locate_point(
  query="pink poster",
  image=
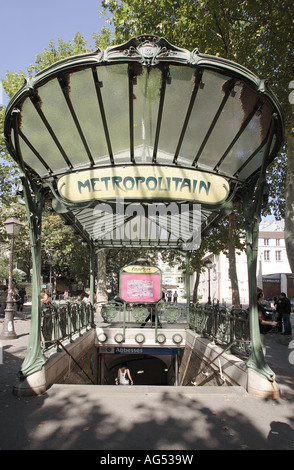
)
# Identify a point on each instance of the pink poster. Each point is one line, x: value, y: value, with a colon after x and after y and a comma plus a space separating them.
x: 140, y: 287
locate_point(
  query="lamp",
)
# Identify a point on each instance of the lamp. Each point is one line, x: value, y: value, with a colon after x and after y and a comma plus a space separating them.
x: 209, y: 265
x: 50, y: 262
x: 161, y: 338
x: 102, y: 337
x: 13, y: 227
x: 140, y: 338
x: 119, y: 338
x: 177, y: 338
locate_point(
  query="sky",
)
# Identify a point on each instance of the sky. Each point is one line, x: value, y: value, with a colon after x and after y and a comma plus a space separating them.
x: 27, y: 27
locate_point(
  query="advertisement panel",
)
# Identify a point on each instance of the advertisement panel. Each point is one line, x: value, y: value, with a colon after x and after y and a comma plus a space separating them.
x: 140, y: 284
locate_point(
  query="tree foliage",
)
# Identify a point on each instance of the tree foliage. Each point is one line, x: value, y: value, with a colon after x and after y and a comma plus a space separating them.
x: 255, y: 33
x: 62, y: 249
x: 15, y: 80
x: 68, y: 256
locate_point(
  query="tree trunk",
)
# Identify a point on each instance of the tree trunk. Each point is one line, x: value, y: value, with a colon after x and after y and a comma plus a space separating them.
x: 232, y: 261
x: 289, y: 201
x: 102, y: 294
x: 54, y: 288
x: 196, y: 285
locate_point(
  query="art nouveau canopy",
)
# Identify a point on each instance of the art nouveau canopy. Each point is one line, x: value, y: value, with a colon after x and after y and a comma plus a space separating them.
x: 144, y: 144
x: 139, y: 123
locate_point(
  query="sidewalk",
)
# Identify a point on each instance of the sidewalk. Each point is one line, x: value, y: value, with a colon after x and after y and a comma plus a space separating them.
x: 110, y: 418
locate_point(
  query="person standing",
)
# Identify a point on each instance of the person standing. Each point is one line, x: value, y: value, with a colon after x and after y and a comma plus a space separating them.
x: 22, y: 293
x: 175, y: 297
x: 263, y: 322
x: 17, y: 299
x: 278, y: 316
x: 124, y: 376
x: 46, y: 299
x: 3, y: 298
x: 284, y: 309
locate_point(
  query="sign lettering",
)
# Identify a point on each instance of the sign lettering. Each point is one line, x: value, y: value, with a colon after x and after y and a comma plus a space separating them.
x: 143, y: 182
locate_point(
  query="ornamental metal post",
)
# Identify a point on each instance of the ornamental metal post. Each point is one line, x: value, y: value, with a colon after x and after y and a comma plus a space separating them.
x: 91, y: 274
x: 253, y: 202
x: 256, y: 359
x: 209, y: 265
x: 92, y: 283
x: 34, y: 202
x: 188, y: 288
x: 34, y: 359
x: 13, y: 227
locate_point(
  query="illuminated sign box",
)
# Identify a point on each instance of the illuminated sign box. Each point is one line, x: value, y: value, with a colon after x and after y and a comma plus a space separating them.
x: 140, y: 284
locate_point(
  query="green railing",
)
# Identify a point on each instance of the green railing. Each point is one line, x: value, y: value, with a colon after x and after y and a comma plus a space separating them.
x: 223, y: 325
x: 163, y: 313
x: 63, y: 321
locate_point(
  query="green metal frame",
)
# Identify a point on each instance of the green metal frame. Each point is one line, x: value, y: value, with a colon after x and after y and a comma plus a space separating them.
x: 34, y: 199
x: 254, y: 200
x: 150, y: 52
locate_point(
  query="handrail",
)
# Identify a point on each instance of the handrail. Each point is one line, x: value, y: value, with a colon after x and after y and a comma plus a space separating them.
x: 211, y: 361
x: 76, y: 362
x: 214, y: 359
x: 64, y: 320
x: 223, y: 325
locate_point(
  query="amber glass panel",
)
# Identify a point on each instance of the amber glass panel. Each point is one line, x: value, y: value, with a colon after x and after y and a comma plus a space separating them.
x: 29, y: 157
x: 225, y: 129
x: 207, y: 102
x: 36, y: 132
x: 177, y: 98
x: 146, y: 99
x: 57, y: 112
x: 114, y: 92
x: 249, y: 141
x: 85, y: 102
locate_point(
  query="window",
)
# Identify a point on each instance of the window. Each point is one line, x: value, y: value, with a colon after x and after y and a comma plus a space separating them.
x: 266, y: 255
x: 266, y: 242
x: 278, y: 256
x: 278, y: 242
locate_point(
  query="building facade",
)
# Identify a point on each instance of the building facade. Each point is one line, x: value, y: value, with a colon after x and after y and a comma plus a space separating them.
x: 273, y: 270
x: 173, y: 280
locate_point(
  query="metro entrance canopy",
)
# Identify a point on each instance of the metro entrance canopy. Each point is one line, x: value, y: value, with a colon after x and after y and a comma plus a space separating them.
x: 141, y: 123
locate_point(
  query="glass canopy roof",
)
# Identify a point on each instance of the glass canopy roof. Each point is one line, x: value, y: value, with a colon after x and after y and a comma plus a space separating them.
x: 137, y: 119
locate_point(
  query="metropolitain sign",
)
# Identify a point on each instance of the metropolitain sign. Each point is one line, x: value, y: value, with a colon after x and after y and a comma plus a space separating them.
x: 139, y: 182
